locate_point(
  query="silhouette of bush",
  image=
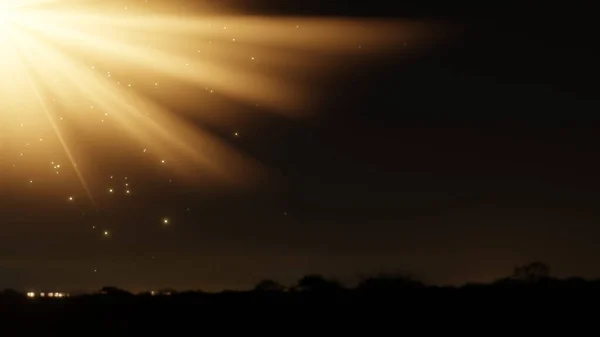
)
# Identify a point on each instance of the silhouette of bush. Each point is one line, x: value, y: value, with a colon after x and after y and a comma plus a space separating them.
x: 383, y: 283
x: 269, y: 286
x: 318, y: 283
x: 531, y: 273
x: 114, y: 291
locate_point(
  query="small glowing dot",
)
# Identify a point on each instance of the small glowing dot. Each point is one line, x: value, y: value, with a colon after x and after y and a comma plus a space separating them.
x: 70, y: 198
x: 162, y: 161
x: 105, y: 233
x: 111, y: 190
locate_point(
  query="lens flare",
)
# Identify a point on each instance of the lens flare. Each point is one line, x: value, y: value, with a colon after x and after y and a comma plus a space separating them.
x: 137, y: 84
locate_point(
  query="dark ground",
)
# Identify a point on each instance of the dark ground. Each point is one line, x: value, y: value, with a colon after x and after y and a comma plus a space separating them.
x: 321, y: 306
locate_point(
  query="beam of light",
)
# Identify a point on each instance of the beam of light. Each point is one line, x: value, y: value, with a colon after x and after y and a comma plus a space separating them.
x: 74, y: 76
x: 54, y: 126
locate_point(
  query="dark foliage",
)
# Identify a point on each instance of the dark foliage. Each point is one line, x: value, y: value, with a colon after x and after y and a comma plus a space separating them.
x: 313, y: 300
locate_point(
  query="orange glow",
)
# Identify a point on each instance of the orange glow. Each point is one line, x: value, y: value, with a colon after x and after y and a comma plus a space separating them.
x: 99, y: 73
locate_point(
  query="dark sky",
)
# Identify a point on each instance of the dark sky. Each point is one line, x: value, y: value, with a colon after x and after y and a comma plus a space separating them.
x: 455, y: 164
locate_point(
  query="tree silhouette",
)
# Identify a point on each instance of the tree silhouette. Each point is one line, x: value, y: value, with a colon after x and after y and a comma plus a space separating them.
x: 114, y: 291
x: 318, y: 283
x: 269, y: 286
x: 388, y: 283
x: 532, y: 272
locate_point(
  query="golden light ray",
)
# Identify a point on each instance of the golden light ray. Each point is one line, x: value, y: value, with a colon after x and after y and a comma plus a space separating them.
x: 155, y: 133
x: 54, y: 126
x: 99, y: 73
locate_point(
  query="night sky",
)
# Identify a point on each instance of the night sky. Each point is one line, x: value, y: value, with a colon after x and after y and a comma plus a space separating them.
x: 454, y: 160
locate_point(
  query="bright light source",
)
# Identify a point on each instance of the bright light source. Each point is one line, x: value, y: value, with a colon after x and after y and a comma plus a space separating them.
x: 31, y: 295
x: 8, y: 13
